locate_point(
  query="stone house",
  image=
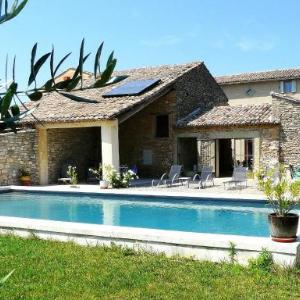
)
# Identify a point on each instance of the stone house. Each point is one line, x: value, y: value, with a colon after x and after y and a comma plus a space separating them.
x: 183, y: 117
x: 279, y: 88
x: 256, y: 87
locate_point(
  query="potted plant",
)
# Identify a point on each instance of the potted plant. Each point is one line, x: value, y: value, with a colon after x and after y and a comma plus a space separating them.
x: 283, y: 195
x: 98, y: 174
x: 72, y: 173
x: 25, y: 177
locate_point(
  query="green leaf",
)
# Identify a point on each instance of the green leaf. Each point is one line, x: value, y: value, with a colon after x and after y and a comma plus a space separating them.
x: 110, y: 59
x: 78, y: 68
x: 7, y: 98
x: 14, y: 69
x: 106, y: 74
x: 32, y: 59
x: 37, y: 67
x: 16, y: 9
x: 35, y: 96
x: 22, y: 115
x: 52, y: 64
x: 15, y: 110
x: 48, y: 85
x: 116, y: 79
x: 62, y: 84
x: 4, y: 279
x: 80, y: 62
x: 61, y: 62
x: 97, y: 60
x: 72, y: 85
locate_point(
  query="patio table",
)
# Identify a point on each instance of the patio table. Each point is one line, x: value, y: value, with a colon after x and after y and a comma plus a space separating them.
x: 231, y: 183
x: 185, y: 180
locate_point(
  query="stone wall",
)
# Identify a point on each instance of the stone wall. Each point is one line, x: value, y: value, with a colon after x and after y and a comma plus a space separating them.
x: 137, y: 135
x: 269, y: 147
x: 289, y: 114
x: 198, y: 89
x: 194, y: 89
x: 81, y: 145
x: 18, y: 151
x: 266, y: 149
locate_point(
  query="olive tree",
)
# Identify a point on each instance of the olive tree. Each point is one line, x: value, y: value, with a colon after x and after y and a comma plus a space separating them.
x: 10, y: 101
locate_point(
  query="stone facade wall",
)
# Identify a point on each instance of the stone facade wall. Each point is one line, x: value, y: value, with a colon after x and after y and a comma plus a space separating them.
x: 268, y: 137
x: 18, y: 151
x: 81, y: 145
x: 269, y: 147
x: 194, y: 89
x: 137, y: 134
x: 198, y: 89
x: 289, y: 114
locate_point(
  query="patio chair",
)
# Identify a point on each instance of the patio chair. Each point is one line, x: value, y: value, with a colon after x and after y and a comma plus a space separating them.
x: 239, y: 178
x: 65, y: 179
x: 169, y: 179
x: 205, y: 177
x: 91, y: 177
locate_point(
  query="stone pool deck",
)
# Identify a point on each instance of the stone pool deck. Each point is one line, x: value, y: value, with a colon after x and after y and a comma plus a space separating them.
x: 213, y: 247
x: 143, y: 187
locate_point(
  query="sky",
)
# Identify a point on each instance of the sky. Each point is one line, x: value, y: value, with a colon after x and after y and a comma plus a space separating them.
x: 229, y: 36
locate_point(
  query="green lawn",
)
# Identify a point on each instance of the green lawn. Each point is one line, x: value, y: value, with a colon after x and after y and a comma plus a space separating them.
x: 53, y: 270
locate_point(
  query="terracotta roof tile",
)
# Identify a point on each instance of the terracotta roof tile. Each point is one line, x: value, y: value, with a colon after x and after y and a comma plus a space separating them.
x: 285, y: 74
x: 230, y: 116
x: 93, y: 106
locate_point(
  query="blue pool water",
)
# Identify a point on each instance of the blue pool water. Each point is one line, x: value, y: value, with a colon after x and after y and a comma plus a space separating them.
x: 207, y: 216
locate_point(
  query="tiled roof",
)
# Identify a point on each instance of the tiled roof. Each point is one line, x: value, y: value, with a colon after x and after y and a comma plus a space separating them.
x: 241, y: 115
x: 285, y: 97
x: 91, y: 104
x: 259, y: 76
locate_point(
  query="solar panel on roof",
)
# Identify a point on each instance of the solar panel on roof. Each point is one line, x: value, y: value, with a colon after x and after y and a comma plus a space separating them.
x: 132, y: 88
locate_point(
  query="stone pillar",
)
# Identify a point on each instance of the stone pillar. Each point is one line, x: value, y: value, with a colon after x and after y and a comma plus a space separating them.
x: 43, y: 156
x: 256, y: 153
x: 206, y: 153
x: 110, y: 145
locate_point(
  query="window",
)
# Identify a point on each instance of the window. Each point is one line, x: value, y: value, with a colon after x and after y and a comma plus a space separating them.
x: 288, y: 86
x: 147, y: 157
x: 162, y: 126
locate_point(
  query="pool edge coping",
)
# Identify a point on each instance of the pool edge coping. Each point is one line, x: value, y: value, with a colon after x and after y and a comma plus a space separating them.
x: 181, y: 238
x: 124, y: 192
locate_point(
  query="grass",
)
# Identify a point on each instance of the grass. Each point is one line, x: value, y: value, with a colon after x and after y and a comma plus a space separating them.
x: 54, y: 270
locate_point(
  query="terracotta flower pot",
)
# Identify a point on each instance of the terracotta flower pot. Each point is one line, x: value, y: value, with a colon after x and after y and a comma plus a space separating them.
x: 283, y: 228
x: 25, y: 180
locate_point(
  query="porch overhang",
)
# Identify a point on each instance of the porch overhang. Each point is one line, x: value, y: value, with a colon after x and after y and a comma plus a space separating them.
x: 109, y: 143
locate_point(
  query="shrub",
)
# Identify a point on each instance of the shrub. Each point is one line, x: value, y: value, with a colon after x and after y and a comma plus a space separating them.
x: 264, y: 262
x: 232, y: 252
x: 97, y: 172
x: 72, y: 173
x: 119, y: 180
x: 282, y: 194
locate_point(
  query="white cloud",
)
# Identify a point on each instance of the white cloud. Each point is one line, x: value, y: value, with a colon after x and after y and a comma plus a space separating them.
x: 246, y: 44
x: 167, y: 40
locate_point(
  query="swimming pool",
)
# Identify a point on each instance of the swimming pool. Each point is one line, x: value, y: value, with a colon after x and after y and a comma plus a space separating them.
x: 247, y: 218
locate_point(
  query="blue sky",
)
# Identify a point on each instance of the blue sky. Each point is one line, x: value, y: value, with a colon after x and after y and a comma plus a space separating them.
x: 229, y: 36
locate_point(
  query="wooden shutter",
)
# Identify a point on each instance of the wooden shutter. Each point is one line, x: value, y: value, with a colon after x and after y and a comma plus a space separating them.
x: 294, y: 86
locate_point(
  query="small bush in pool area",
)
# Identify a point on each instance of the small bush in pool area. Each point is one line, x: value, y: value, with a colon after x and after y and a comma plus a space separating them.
x: 117, y: 179
x: 264, y: 261
x: 232, y: 252
x: 72, y: 173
